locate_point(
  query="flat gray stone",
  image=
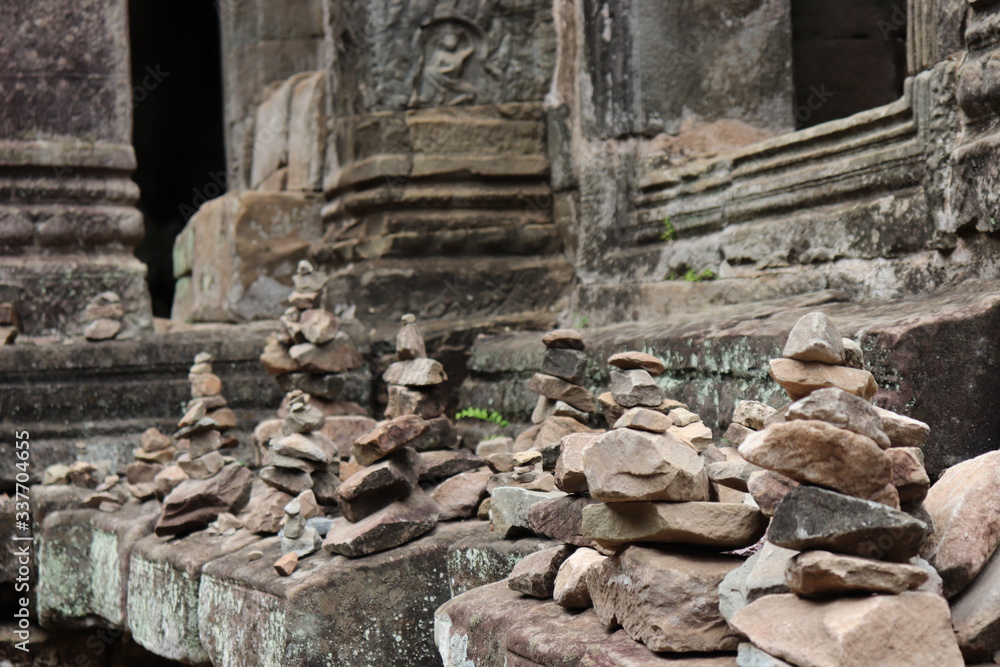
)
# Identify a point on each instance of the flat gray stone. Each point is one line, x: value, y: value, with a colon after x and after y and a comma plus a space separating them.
x: 565, y: 364
x: 815, y: 338
x: 761, y: 574
x: 814, y: 518
x: 635, y: 387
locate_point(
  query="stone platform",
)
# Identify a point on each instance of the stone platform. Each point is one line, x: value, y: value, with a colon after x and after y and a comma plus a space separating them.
x: 90, y: 401
x: 493, y: 626
x: 935, y: 359
x: 202, y: 600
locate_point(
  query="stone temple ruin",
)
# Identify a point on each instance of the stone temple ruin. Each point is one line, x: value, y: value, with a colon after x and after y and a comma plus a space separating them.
x: 563, y: 333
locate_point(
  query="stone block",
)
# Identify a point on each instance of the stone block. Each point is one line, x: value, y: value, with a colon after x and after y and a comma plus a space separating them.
x: 246, y: 248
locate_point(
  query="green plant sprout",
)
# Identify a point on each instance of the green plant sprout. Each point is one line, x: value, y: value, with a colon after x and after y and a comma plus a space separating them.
x: 692, y: 276
x: 491, y: 416
x: 669, y: 233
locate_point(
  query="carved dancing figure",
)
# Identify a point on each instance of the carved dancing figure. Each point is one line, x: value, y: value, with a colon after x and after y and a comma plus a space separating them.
x: 441, y: 82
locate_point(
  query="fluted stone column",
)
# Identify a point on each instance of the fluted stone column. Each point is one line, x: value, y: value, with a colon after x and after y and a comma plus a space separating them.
x: 68, y: 216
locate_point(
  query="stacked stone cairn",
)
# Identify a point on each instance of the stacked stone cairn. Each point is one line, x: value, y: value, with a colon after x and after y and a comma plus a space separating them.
x: 839, y: 580
x: 300, y: 457
x: 104, y: 314
x: 564, y: 407
x: 381, y: 498
x: 298, y: 479
x: 301, y: 533
x: 645, y: 530
x: 633, y: 385
x: 524, y: 469
x: 212, y: 484
x: 311, y: 351
x: 413, y: 381
x: 154, y: 473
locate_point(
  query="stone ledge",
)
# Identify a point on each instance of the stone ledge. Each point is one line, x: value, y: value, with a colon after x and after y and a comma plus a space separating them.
x: 934, y: 358
x: 104, y: 395
x: 493, y: 626
x: 201, y: 600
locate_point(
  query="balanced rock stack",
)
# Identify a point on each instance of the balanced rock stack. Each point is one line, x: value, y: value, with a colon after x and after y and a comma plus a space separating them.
x: 413, y: 380
x: 154, y: 473
x: 654, y: 489
x: 103, y: 315
x: 300, y: 457
x: 564, y: 404
x: 816, y: 357
x: 839, y: 531
x: 381, y: 497
x: 635, y: 484
x: 311, y: 351
x: 633, y: 385
x: 214, y: 483
x: 382, y: 504
x: 299, y: 536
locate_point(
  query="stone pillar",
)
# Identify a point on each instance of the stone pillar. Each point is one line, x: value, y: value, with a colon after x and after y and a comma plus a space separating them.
x: 68, y: 220
x: 438, y: 200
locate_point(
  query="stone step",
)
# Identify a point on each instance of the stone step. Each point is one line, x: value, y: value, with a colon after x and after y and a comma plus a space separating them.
x: 933, y: 358
x: 493, y: 626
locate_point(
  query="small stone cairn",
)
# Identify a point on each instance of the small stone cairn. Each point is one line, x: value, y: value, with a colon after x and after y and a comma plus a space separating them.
x: 413, y: 381
x: 381, y: 498
x: 300, y: 457
x: 837, y: 531
x: 207, y: 483
x: 564, y: 407
x: 310, y: 351
x: 161, y: 464
x: 104, y: 314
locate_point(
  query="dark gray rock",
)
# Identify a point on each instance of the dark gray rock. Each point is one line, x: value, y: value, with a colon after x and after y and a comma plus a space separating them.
x: 569, y: 365
x: 635, y: 387
x: 814, y: 518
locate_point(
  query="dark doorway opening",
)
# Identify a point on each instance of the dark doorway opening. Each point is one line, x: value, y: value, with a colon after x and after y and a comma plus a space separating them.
x: 178, y: 132
x: 847, y: 56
